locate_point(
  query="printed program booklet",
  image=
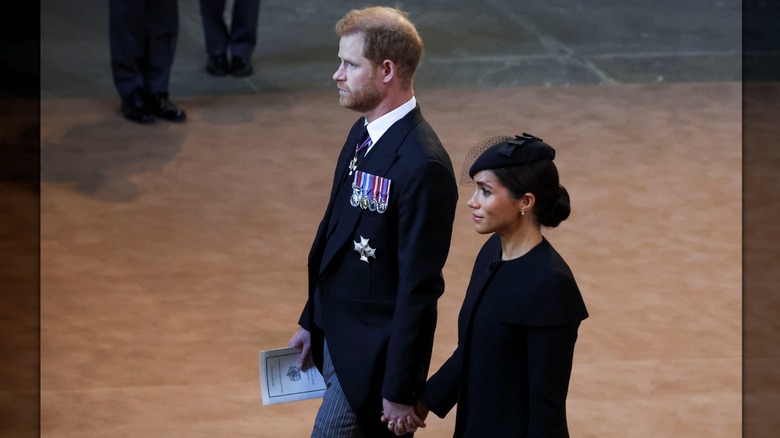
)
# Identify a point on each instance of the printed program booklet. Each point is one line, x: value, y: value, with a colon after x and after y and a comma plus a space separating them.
x: 281, y: 381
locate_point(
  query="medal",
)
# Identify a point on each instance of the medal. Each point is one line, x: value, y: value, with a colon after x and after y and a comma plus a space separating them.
x: 383, y: 195
x: 370, y: 192
x: 360, y: 190
x: 364, y: 249
x: 354, y: 200
x: 374, y: 190
x: 353, y: 164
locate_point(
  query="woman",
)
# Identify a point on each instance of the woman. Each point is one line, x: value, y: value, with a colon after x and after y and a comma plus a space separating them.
x: 516, y: 331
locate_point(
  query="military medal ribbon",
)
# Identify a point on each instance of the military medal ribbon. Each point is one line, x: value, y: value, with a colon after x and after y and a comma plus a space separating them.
x: 370, y: 192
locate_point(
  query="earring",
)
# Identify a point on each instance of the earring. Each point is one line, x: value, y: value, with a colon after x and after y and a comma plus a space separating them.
x: 522, y: 212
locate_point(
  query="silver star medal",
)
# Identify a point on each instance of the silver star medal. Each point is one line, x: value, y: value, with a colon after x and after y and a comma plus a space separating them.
x: 364, y: 249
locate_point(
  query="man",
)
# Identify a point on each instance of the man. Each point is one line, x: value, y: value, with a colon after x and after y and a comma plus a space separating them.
x: 143, y: 36
x: 238, y: 38
x: 375, y: 264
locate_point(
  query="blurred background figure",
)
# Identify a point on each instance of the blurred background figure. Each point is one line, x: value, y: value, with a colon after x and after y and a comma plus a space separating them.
x: 143, y: 35
x: 235, y: 36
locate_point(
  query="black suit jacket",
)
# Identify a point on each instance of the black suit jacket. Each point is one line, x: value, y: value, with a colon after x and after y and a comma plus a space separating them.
x: 379, y: 317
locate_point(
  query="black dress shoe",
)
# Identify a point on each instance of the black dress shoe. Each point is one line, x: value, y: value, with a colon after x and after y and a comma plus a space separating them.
x: 240, y: 66
x: 134, y: 108
x: 164, y: 108
x: 217, y: 65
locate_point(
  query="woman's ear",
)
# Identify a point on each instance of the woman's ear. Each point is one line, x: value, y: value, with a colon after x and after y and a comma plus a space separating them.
x: 526, y: 202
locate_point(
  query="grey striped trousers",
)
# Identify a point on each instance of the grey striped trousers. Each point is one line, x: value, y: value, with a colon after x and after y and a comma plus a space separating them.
x: 335, y: 418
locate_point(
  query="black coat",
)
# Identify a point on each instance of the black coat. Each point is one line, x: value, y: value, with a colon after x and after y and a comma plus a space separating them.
x: 516, y: 332
x: 379, y: 317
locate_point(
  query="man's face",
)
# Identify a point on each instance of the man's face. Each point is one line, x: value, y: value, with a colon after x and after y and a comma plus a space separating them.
x: 359, y: 82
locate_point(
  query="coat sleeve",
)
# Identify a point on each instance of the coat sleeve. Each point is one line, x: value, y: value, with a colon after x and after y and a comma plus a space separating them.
x: 550, y: 355
x: 426, y: 210
x: 441, y: 392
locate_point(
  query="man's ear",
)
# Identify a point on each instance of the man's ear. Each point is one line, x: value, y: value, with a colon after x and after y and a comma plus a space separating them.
x: 388, y: 70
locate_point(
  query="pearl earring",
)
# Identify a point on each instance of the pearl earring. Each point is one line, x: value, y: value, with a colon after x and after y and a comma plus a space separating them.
x: 522, y: 212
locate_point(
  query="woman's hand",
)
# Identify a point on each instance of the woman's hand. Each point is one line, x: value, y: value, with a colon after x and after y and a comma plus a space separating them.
x: 401, y: 419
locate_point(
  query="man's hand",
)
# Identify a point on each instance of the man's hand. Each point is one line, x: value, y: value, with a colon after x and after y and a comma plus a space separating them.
x: 302, y: 340
x: 400, y: 419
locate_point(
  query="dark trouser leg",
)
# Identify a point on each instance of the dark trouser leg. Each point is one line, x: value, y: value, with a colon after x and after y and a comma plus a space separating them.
x: 163, y: 31
x: 243, y: 27
x: 215, y: 30
x: 127, y: 40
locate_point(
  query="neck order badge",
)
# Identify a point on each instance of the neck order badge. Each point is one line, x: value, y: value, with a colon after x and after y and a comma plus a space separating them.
x: 358, y: 148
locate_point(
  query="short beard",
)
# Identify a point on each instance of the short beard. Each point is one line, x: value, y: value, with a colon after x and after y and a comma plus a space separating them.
x: 364, y: 99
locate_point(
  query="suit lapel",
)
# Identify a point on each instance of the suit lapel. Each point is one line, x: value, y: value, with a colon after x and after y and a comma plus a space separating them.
x: 347, y: 153
x: 378, y: 162
x: 339, y: 174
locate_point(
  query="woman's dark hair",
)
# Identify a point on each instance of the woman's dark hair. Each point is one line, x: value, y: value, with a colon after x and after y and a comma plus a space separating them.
x: 553, y: 205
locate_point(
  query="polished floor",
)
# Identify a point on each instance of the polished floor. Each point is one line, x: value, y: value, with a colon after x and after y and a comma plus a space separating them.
x: 172, y: 253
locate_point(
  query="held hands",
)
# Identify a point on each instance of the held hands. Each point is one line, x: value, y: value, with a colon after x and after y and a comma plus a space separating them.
x: 302, y: 340
x: 402, y: 419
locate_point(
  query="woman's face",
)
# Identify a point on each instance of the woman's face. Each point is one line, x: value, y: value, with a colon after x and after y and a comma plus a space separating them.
x: 493, y: 209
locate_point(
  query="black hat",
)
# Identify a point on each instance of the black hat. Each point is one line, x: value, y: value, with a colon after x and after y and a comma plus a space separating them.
x: 516, y: 151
